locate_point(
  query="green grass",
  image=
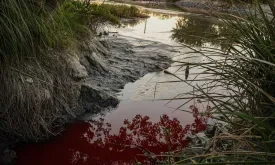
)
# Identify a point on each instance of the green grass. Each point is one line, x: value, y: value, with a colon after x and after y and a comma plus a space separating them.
x: 23, y: 26
x: 95, y: 15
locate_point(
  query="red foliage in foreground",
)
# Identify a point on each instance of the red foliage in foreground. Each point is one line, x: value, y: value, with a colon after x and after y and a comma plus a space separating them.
x: 92, y: 143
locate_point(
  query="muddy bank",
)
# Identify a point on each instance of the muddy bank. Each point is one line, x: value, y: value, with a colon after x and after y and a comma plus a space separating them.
x: 119, y: 61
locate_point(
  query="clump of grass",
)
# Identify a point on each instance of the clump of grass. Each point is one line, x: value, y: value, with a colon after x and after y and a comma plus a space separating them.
x: 37, y: 98
x: 239, y: 83
x: 37, y: 95
x: 22, y: 28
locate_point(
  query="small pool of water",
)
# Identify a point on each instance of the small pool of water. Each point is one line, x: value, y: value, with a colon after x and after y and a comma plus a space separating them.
x: 144, y: 116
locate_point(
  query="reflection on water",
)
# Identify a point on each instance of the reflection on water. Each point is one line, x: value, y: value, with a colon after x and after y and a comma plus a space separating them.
x: 92, y: 143
x: 193, y: 30
x: 153, y: 28
x: 134, y: 22
x: 162, y: 16
x: 201, y: 32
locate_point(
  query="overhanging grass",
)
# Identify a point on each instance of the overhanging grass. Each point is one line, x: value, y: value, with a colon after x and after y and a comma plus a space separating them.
x: 35, y: 95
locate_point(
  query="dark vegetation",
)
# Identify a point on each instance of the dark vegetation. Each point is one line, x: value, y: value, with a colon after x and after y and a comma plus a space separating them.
x: 37, y: 94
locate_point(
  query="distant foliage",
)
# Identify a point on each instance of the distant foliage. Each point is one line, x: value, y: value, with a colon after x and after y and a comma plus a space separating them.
x: 88, y: 15
x: 93, y: 15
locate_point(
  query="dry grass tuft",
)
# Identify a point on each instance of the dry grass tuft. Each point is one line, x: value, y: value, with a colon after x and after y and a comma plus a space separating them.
x: 37, y: 98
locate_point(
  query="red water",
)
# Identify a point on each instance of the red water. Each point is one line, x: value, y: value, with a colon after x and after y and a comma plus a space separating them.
x: 92, y: 142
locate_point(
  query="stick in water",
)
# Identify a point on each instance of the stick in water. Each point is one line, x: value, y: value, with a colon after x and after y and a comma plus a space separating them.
x: 187, y: 72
